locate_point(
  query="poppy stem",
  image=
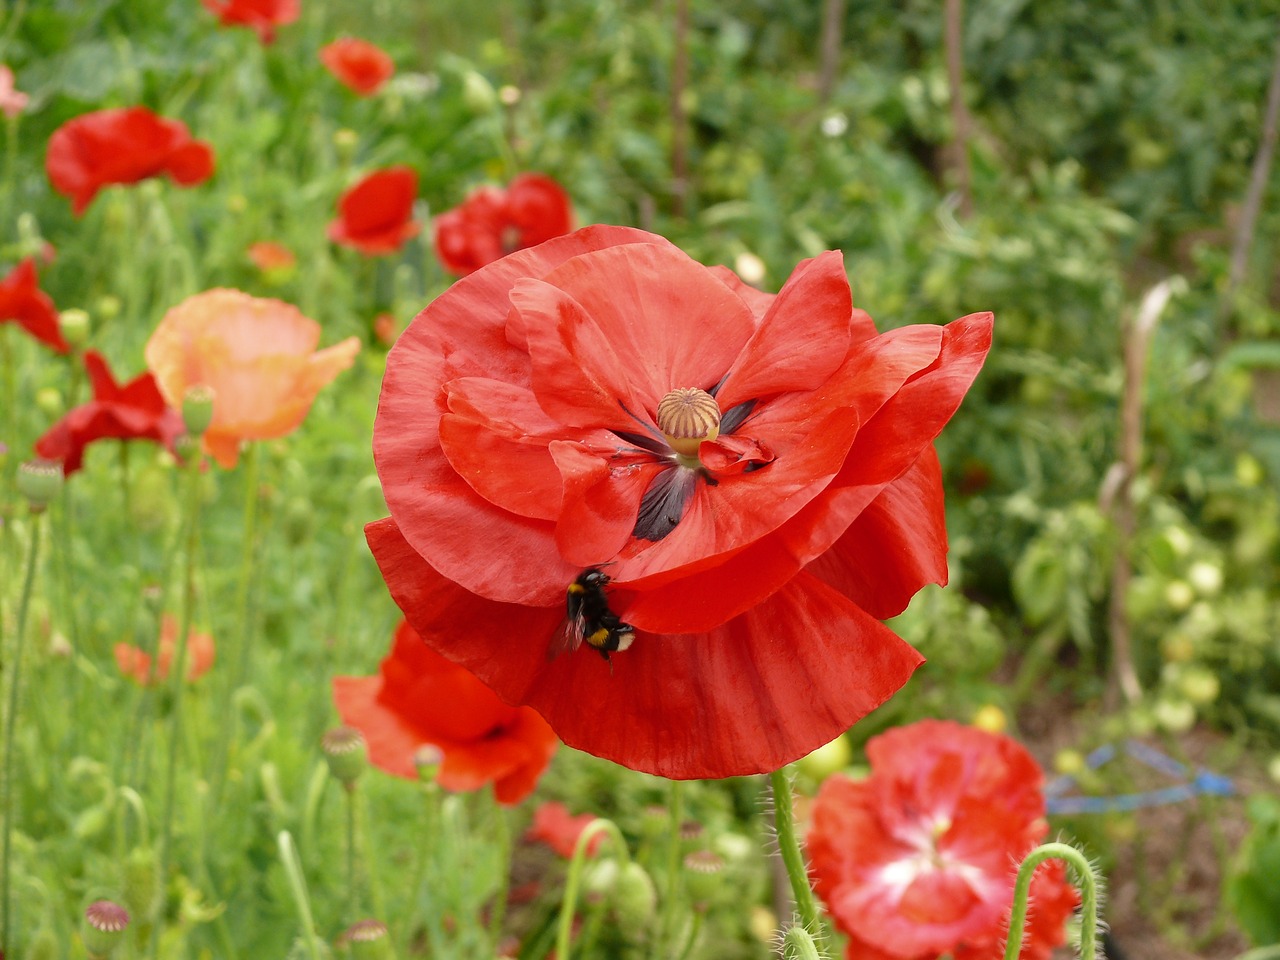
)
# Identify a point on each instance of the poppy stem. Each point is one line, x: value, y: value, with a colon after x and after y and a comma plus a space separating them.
x: 792, y: 857
x: 178, y: 673
x: 10, y: 723
x: 573, y: 881
x: 502, y: 834
x: 667, y: 919
x: 1086, y: 877
x: 298, y: 886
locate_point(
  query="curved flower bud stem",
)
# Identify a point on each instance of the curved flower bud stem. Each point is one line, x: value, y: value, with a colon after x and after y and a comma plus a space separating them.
x: 789, y: 848
x: 574, y: 880
x: 10, y: 722
x: 1088, y: 880
x: 298, y: 886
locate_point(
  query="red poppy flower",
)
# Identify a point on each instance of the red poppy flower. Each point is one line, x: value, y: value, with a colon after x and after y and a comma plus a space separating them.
x: 492, y: 223
x: 374, y: 215
x: 22, y: 301
x: 419, y: 697
x: 560, y: 830
x: 96, y: 150
x: 519, y: 445
x: 136, y: 663
x: 919, y: 859
x: 359, y: 64
x: 135, y: 411
x: 260, y: 15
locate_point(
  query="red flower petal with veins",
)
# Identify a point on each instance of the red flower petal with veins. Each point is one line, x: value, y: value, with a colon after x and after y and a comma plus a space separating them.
x: 919, y: 859
x: 22, y: 301
x: 362, y: 66
x: 420, y: 698
x: 135, y: 411
x: 375, y: 216
x: 491, y: 223
x: 262, y: 16
x: 122, y: 146
x: 519, y: 444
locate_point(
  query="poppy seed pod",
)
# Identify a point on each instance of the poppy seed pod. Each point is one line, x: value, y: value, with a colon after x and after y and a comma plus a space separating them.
x: 197, y: 408
x: 704, y: 874
x: 103, y: 927
x: 39, y: 481
x: 367, y: 939
x: 345, y: 751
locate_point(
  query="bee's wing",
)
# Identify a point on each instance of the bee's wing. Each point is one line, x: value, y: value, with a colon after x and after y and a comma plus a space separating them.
x: 568, y: 636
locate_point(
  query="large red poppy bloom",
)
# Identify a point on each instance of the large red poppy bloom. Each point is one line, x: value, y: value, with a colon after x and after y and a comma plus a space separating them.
x: 919, y: 859
x: 22, y: 301
x: 420, y: 698
x: 376, y: 215
x: 518, y: 445
x: 263, y: 16
x: 360, y: 65
x: 135, y: 411
x: 96, y: 150
x: 491, y: 223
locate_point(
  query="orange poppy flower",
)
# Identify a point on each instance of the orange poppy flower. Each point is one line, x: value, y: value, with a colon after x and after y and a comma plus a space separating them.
x: 261, y: 16
x: 136, y: 663
x: 258, y: 357
x: 362, y: 66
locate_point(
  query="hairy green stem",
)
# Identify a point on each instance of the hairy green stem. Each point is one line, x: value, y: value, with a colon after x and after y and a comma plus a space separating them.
x: 792, y: 858
x: 670, y: 901
x: 10, y: 723
x: 1088, y: 882
x: 564, y: 931
x: 298, y: 886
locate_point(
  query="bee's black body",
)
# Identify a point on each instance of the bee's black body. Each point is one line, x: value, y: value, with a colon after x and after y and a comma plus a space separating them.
x: 588, y: 617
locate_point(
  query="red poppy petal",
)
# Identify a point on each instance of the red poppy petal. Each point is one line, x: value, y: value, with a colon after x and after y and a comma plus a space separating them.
x: 907, y: 523
x: 464, y: 333
x: 600, y: 503
x: 512, y: 761
x: 391, y: 741
x: 381, y: 201
x: 677, y: 325
x: 100, y: 379
x: 539, y: 207
x: 191, y: 163
x: 768, y: 701
x: 802, y: 339
x: 495, y: 436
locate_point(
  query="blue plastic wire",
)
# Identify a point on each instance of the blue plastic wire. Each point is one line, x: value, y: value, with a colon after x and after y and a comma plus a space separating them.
x: 1203, y: 782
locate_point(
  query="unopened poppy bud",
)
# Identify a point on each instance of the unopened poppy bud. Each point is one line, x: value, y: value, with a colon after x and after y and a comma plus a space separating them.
x: 600, y: 879
x: 49, y: 400
x: 367, y: 940
x: 478, y: 93
x: 74, y: 324
x: 826, y: 760
x: 687, y: 417
x: 634, y: 898
x: 344, y: 749
x: 703, y: 876
x: 798, y: 944
x: 197, y: 409
x: 141, y: 880
x: 108, y: 306
x: 104, y: 926
x: 345, y: 141
x: 39, y: 481
x: 427, y: 759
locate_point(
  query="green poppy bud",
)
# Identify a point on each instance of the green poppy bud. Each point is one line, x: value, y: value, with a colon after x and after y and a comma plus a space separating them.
x: 74, y: 324
x: 141, y: 880
x: 634, y: 898
x: 797, y: 944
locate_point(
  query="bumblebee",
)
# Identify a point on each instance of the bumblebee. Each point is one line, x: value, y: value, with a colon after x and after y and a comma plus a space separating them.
x: 589, y: 618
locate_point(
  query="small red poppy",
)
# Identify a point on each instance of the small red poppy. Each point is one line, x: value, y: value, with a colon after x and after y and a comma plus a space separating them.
x: 96, y: 150
x: 919, y: 859
x: 420, y: 698
x: 22, y: 301
x: 135, y: 662
x: 362, y: 66
x: 491, y: 223
x: 375, y: 215
x: 262, y: 16
x: 135, y: 411
x: 525, y: 435
x: 555, y: 826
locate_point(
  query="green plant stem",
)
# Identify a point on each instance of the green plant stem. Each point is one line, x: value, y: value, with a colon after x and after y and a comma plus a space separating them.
x: 353, y: 901
x: 10, y: 723
x: 792, y: 858
x: 178, y: 680
x: 503, y: 837
x: 365, y: 849
x: 564, y: 932
x: 670, y: 902
x: 426, y: 859
x: 298, y: 886
x: 1088, y: 882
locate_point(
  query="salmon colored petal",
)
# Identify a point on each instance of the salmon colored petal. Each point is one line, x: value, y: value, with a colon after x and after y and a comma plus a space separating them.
x: 391, y: 742
x: 781, y: 700
x: 463, y: 333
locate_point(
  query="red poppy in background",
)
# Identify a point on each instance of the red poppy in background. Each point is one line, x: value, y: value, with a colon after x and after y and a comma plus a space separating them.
x: 271, y: 257
x: 555, y: 826
x: 919, y: 859
x: 12, y: 100
x: 135, y: 662
x: 262, y: 16
x: 257, y: 355
x: 420, y: 698
x: 492, y: 223
x: 375, y: 216
x: 135, y: 411
x: 124, y: 145
x: 22, y: 301
x: 362, y: 66
x: 533, y: 425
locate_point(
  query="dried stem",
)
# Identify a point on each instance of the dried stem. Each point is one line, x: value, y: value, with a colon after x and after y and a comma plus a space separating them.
x: 832, y: 22
x: 960, y: 119
x: 679, y: 133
